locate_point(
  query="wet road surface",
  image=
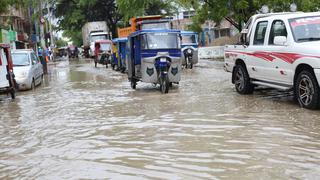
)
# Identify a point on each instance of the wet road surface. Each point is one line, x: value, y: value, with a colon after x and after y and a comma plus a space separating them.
x: 87, y: 123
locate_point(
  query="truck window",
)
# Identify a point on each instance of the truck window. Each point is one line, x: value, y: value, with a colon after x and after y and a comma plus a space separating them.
x: 278, y: 28
x: 260, y: 33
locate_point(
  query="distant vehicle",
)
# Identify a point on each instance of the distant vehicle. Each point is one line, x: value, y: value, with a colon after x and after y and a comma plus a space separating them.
x: 102, y: 52
x: 279, y: 51
x: 119, y: 57
x: 62, y: 51
x: 7, y: 78
x: 73, y: 51
x: 189, y: 48
x: 154, y: 56
x: 28, y: 69
x: 91, y: 32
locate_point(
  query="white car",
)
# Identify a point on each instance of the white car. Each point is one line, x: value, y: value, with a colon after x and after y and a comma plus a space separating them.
x: 279, y: 51
x: 28, y: 69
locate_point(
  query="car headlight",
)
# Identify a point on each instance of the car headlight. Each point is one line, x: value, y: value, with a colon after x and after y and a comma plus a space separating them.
x: 189, y: 51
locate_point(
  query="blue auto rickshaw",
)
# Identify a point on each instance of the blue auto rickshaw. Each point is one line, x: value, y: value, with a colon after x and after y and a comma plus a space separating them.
x: 115, y: 55
x: 154, y: 56
x: 120, y: 54
x: 189, y: 48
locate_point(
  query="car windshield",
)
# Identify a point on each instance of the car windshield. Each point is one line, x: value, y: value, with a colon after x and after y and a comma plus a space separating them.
x: 189, y: 39
x: 306, y: 29
x: 160, y: 41
x: 20, y: 59
x: 99, y: 37
x: 105, y: 46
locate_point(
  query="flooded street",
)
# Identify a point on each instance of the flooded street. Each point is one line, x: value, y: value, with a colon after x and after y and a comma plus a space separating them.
x: 87, y: 123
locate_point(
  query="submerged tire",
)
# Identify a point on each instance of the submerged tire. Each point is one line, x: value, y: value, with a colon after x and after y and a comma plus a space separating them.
x: 306, y: 90
x: 164, y: 85
x: 242, y: 80
x: 133, y: 84
x: 33, y: 85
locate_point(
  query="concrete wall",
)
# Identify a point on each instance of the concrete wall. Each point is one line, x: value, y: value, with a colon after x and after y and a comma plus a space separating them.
x: 213, y: 52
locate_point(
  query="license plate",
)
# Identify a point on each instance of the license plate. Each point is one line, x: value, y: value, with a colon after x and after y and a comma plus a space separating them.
x: 163, y: 59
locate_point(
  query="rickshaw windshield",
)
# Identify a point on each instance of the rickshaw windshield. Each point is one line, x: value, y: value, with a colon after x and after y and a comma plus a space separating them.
x: 20, y: 59
x: 189, y: 39
x: 160, y: 41
x: 105, y: 46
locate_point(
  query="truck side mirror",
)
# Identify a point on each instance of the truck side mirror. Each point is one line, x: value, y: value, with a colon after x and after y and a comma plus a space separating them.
x: 280, y: 40
x: 243, y: 37
x: 244, y: 31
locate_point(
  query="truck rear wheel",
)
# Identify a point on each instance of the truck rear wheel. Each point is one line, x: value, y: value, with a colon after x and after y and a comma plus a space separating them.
x: 242, y: 80
x: 306, y: 90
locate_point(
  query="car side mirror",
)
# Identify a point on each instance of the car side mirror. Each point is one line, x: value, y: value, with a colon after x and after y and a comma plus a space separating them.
x: 280, y: 40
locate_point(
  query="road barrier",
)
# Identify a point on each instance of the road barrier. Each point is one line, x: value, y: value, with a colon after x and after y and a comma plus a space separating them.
x: 213, y: 52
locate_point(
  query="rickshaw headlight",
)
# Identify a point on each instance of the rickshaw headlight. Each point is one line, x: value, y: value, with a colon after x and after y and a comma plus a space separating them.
x: 163, y: 59
x: 189, y: 51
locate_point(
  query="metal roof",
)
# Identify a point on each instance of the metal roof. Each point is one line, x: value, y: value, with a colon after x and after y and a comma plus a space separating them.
x: 154, y: 31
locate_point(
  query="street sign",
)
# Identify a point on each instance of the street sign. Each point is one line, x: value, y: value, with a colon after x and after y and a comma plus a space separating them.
x: 12, y: 35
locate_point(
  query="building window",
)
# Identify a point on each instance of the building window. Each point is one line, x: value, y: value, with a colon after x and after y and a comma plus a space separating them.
x: 224, y: 32
x: 188, y: 14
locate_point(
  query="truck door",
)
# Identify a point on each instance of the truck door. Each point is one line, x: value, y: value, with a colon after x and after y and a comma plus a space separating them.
x: 279, y: 68
x: 257, y: 60
x: 3, y: 70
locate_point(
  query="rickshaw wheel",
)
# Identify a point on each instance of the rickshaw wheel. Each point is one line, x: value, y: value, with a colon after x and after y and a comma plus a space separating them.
x: 164, y: 85
x: 191, y: 65
x: 113, y: 66
x: 133, y: 84
x: 95, y: 64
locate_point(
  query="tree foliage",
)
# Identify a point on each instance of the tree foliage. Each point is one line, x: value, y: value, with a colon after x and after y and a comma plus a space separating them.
x: 134, y: 8
x: 74, y: 14
x: 239, y: 11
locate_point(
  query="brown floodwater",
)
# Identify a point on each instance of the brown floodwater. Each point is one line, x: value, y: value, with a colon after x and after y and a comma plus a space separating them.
x: 87, y: 123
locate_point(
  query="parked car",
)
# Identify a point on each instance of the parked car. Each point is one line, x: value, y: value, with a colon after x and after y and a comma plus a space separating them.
x: 28, y: 69
x: 279, y: 51
x: 7, y: 80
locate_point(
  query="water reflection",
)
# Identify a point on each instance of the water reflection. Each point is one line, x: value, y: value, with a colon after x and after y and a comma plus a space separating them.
x: 86, y: 122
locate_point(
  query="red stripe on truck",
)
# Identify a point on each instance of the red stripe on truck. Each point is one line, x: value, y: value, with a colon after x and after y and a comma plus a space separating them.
x: 270, y: 56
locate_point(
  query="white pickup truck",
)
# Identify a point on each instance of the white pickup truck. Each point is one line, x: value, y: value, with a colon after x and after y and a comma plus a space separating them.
x: 281, y: 51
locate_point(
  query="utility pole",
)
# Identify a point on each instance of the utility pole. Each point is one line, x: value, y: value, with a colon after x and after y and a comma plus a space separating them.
x: 42, y: 40
x: 50, y: 24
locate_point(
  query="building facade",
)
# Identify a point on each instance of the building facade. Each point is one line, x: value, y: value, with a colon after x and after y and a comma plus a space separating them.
x: 211, y: 31
x: 16, y: 27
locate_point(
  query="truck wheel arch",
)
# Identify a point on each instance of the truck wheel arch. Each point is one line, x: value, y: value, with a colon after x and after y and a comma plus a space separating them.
x: 238, y: 62
x: 300, y: 68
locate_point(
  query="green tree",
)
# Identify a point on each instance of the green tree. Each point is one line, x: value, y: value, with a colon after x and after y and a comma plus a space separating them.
x: 60, y: 43
x: 238, y: 12
x: 74, y: 14
x: 134, y: 8
x: 4, y: 5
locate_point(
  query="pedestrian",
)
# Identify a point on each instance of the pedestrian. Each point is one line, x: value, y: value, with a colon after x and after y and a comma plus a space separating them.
x: 43, y: 61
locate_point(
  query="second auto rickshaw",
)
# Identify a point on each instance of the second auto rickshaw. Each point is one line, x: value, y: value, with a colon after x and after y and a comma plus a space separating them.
x: 189, y: 48
x: 119, y: 54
